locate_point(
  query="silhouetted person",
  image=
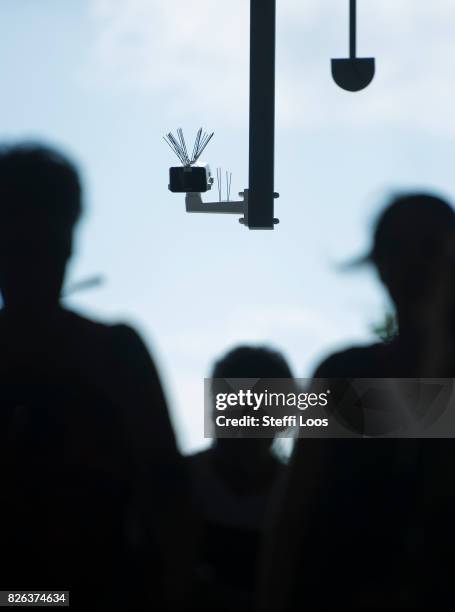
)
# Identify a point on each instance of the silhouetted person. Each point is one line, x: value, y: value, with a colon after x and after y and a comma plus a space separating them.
x: 87, y: 452
x: 357, y: 528
x: 232, y: 482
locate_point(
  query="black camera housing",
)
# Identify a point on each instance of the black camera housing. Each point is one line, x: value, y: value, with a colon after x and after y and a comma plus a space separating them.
x: 190, y: 179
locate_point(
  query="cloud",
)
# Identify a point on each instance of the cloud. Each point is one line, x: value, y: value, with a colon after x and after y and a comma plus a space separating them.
x: 190, y: 54
x: 297, y: 330
x: 193, y: 56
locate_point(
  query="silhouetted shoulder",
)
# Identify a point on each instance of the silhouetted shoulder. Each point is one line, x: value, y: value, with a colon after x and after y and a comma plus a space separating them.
x: 116, y: 342
x: 132, y: 348
x: 127, y: 373
x: 119, y: 332
x: 356, y: 362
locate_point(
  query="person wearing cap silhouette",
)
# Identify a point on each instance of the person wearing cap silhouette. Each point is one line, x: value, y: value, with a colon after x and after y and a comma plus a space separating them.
x: 354, y: 530
x: 409, y: 250
x: 87, y: 451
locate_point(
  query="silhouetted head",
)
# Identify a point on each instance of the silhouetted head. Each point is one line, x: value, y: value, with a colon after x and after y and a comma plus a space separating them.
x: 40, y: 202
x: 409, y: 244
x: 248, y: 362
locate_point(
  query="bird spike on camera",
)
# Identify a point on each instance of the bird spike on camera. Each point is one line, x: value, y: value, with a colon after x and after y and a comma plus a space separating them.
x: 178, y: 145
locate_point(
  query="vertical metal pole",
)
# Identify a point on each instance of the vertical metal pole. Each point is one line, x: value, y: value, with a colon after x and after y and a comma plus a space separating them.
x: 353, y: 29
x: 262, y: 114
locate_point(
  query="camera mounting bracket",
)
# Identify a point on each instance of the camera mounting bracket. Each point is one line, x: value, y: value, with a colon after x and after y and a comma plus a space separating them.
x: 194, y: 204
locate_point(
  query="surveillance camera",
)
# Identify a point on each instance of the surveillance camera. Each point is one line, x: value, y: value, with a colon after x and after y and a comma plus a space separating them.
x: 195, y: 178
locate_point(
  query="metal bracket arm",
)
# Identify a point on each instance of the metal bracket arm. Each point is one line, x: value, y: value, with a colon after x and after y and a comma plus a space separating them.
x: 194, y: 204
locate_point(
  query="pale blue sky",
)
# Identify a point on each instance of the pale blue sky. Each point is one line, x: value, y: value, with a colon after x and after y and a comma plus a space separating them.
x: 105, y: 79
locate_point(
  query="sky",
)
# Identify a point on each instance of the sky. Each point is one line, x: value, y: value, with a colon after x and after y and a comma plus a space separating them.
x: 104, y: 80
